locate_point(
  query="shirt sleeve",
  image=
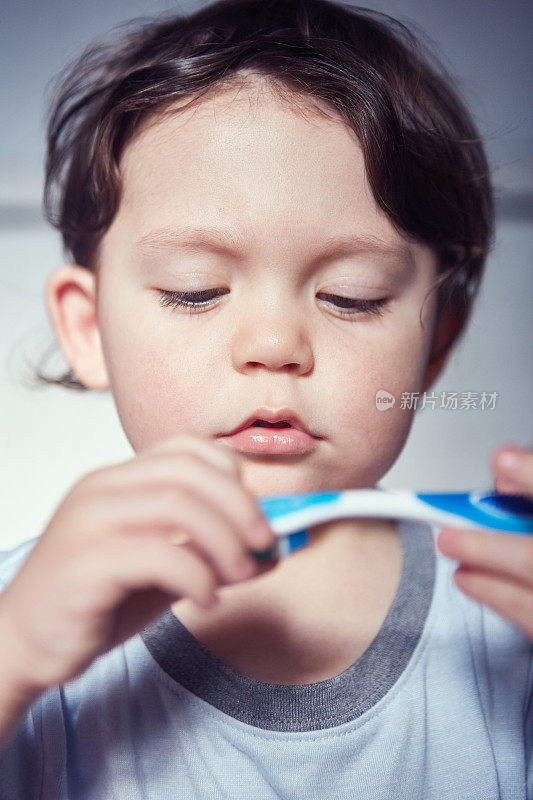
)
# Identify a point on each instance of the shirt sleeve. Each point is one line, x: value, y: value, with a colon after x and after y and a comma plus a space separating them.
x: 21, y: 760
x: 32, y: 759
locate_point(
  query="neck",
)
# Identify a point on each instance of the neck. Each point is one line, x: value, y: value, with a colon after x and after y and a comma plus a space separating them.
x: 344, y: 547
x: 312, y: 615
x: 345, y: 561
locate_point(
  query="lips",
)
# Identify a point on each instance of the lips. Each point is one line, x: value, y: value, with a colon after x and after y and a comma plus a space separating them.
x: 258, y: 434
x: 284, y: 415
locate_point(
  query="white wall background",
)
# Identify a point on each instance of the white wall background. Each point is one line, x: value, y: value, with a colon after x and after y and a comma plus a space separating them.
x: 50, y: 437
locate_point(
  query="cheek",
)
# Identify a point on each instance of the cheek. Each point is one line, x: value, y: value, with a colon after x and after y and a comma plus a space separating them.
x: 393, y: 362
x: 159, y: 387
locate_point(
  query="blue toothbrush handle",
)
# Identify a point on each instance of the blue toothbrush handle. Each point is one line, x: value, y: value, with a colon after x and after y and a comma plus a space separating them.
x: 486, y: 510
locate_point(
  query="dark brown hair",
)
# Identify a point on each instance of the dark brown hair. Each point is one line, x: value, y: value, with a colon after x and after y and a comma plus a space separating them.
x: 424, y: 157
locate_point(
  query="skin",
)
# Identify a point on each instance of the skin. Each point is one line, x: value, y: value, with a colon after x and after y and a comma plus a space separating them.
x: 248, y: 160
x: 252, y: 166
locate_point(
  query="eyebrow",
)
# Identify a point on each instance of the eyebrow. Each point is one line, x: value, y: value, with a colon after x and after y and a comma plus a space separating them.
x: 225, y: 242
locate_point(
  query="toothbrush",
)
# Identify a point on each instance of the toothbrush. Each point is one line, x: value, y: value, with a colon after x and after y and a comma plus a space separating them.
x: 290, y: 515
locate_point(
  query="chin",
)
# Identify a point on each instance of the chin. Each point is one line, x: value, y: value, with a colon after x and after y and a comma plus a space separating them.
x: 262, y: 478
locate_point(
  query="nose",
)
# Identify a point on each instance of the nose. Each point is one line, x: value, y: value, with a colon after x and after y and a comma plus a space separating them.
x: 274, y: 338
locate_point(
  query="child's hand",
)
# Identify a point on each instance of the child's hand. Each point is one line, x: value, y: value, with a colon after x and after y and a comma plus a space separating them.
x: 110, y: 560
x: 497, y: 568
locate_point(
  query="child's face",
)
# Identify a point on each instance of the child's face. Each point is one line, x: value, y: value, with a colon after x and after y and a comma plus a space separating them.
x: 283, y: 185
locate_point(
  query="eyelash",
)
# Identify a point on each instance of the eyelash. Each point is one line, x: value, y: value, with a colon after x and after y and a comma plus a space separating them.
x: 189, y: 301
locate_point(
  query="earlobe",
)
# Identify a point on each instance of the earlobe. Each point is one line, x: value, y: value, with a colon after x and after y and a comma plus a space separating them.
x: 70, y: 297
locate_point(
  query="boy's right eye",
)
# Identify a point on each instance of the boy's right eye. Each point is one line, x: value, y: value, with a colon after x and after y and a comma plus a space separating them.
x: 189, y: 300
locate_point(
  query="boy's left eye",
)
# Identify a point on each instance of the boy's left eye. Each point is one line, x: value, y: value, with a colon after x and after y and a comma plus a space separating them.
x: 345, y: 306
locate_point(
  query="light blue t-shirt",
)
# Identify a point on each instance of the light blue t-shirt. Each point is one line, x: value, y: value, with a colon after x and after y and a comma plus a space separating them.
x: 437, y: 708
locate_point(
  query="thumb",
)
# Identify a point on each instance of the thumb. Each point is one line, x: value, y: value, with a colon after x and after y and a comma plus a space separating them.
x: 513, y: 469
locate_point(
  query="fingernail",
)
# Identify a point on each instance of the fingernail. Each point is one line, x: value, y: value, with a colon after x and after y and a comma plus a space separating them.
x: 265, y: 555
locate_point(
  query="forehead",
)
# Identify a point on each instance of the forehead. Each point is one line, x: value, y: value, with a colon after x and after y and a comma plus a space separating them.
x: 249, y: 158
x: 224, y: 111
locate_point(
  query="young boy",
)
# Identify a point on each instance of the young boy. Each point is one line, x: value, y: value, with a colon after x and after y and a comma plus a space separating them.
x: 273, y: 210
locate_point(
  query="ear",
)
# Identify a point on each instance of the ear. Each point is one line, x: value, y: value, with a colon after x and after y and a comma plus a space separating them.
x: 446, y: 329
x: 70, y: 297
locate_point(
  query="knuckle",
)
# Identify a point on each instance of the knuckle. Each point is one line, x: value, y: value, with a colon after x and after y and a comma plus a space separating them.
x: 92, y: 480
x: 231, y: 459
x: 188, y: 510
x: 82, y: 487
x: 88, y: 513
x: 78, y: 510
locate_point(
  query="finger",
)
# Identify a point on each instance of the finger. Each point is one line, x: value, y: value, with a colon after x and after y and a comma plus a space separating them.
x: 212, y: 452
x: 123, y: 567
x: 173, y: 510
x: 510, y: 599
x: 503, y: 485
x: 505, y: 553
x: 513, y: 468
x: 220, y: 490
